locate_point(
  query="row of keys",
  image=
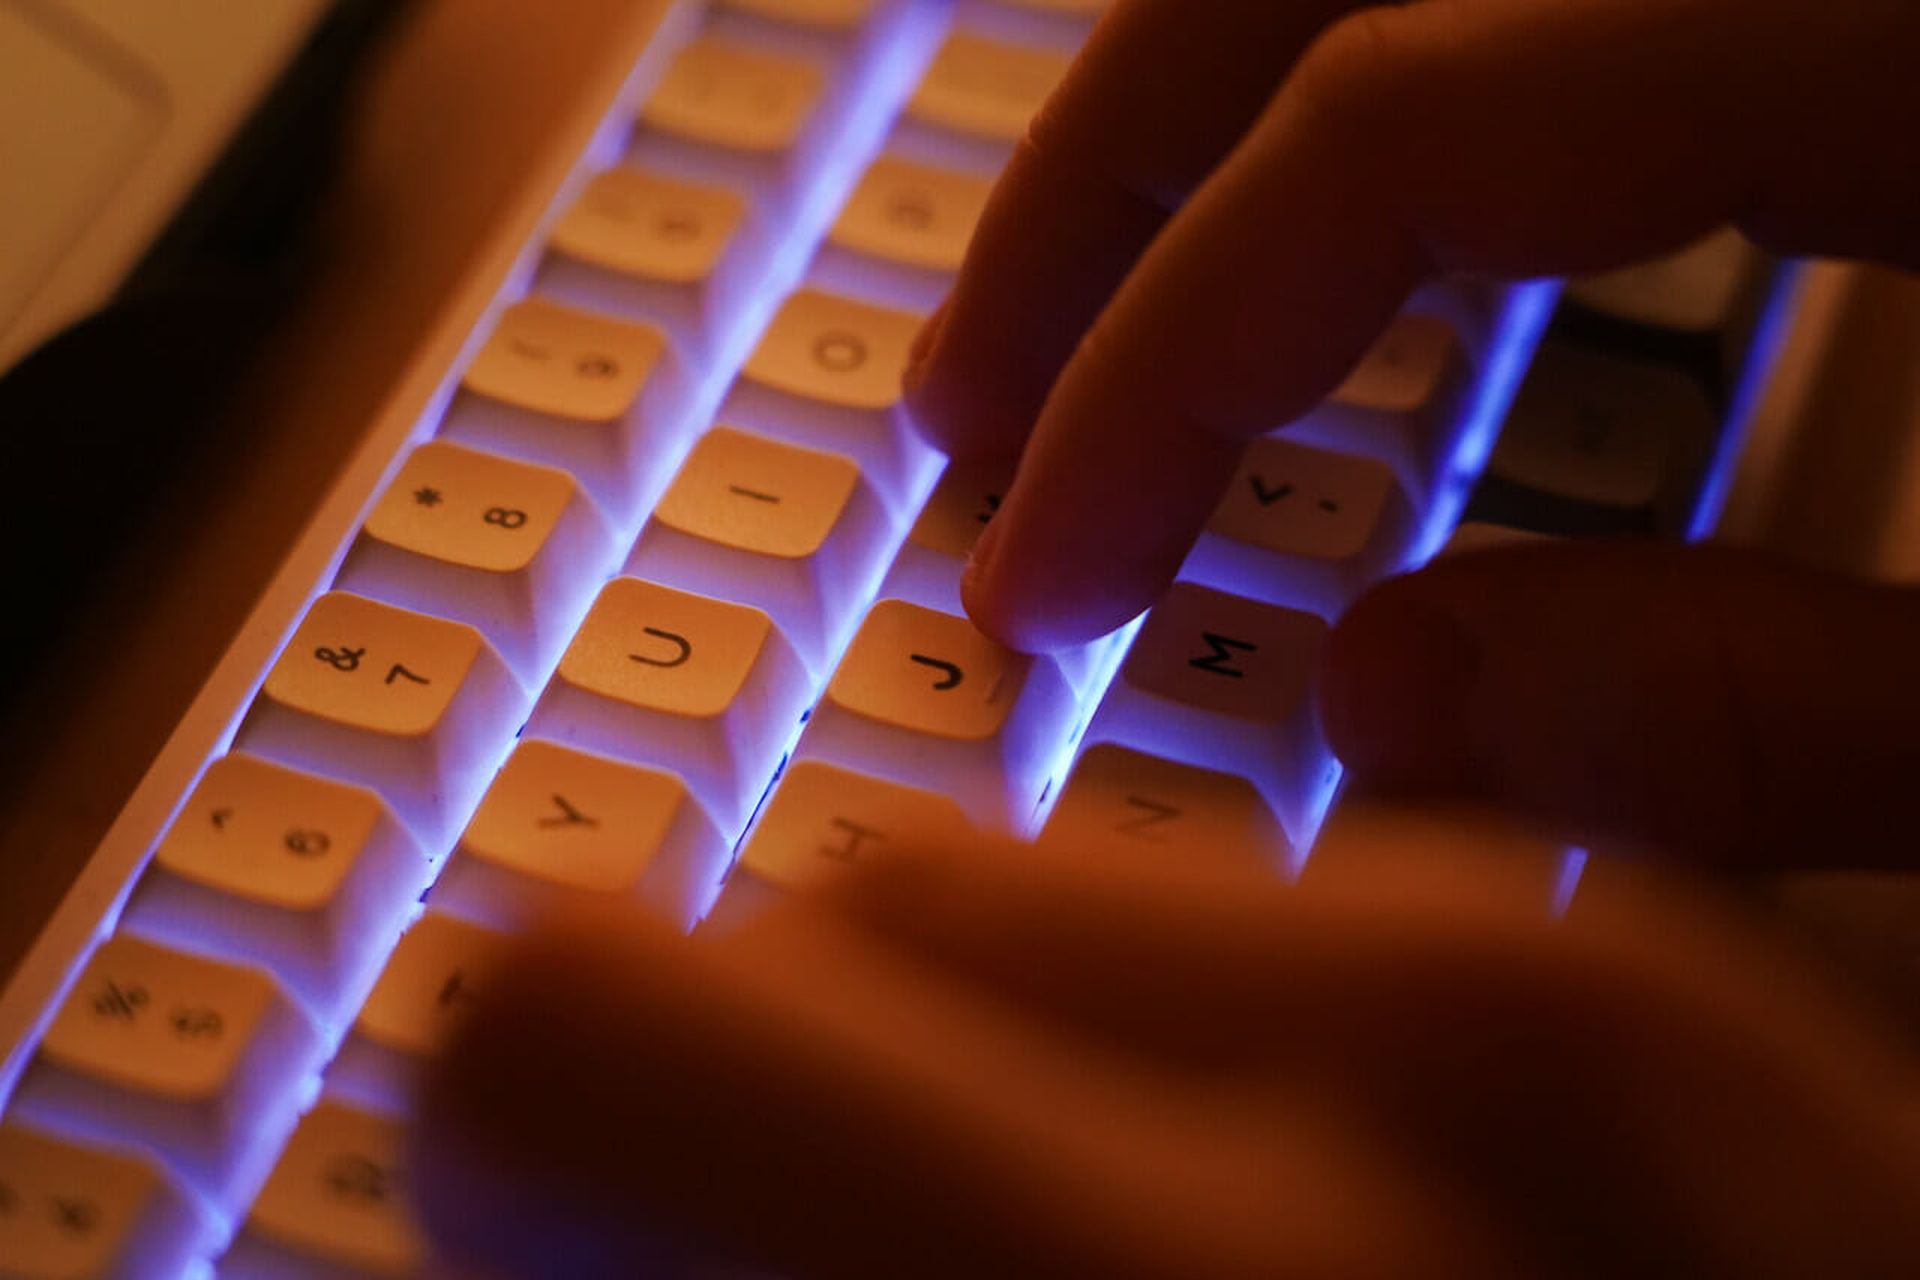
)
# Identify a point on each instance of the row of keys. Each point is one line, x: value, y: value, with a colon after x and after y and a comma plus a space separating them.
x: 377, y: 727
x: 186, y: 1055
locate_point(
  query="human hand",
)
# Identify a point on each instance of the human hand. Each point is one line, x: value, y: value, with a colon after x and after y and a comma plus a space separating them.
x: 1215, y: 215
x: 1030, y: 1064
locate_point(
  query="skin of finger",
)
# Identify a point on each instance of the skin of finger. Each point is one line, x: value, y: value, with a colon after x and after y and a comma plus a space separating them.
x: 1646, y: 1085
x: 1161, y: 92
x: 1181, y: 955
x: 793, y: 1098
x: 1712, y: 705
x: 1406, y: 140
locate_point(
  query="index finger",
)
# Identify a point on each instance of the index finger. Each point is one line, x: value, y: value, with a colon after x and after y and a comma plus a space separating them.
x: 1157, y: 98
x: 1497, y: 136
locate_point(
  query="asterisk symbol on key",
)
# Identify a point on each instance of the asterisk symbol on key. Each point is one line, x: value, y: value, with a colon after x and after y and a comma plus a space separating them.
x: 427, y: 497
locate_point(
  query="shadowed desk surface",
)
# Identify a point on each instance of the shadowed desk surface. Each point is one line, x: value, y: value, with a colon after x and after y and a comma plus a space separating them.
x: 452, y: 119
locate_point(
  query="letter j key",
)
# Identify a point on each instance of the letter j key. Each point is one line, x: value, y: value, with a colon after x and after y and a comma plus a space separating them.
x: 922, y: 698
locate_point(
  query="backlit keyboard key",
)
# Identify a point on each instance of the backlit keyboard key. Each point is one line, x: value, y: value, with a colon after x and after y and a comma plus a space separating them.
x: 1118, y: 797
x: 794, y: 531
x: 576, y: 390
x: 337, y: 1199
x: 428, y: 986
x: 642, y: 244
x: 1224, y: 682
x: 730, y: 112
x: 924, y: 699
x: 985, y: 88
x: 1061, y: 24
x: 1700, y: 289
x: 559, y: 823
x: 903, y: 233
x: 309, y: 876
x: 174, y: 1050
x: 70, y: 1211
x: 1399, y: 404
x: 408, y: 704
x: 501, y: 544
x: 564, y: 363
x: 1303, y: 527
x: 927, y: 569
x: 1474, y: 536
x: 706, y: 689
x: 1597, y: 445
x: 823, y: 819
x: 914, y: 214
x: 829, y: 14
x: 826, y: 374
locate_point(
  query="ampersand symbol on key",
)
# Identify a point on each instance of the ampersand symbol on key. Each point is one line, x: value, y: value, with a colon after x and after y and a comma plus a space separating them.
x: 341, y: 659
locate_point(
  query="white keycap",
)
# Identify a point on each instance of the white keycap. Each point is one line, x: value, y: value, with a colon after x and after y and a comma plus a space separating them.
x: 508, y: 546
x: 591, y: 394
x: 649, y: 247
x: 311, y: 877
x: 980, y: 91
x: 984, y: 90
x: 1700, y: 289
x: 1117, y: 797
x: 1475, y: 536
x: 411, y: 705
x: 337, y: 1200
x: 708, y: 690
x: 1304, y: 527
x: 922, y: 698
x: 822, y: 819
x: 1064, y: 24
x: 731, y: 113
x: 794, y: 531
x: 830, y: 14
x: 1402, y: 404
x: 1223, y: 682
x: 187, y: 1055
x: 902, y: 234
x: 826, y: 374
x: 429, y: 985
x: 559, y: 825
x: 68, y: 1210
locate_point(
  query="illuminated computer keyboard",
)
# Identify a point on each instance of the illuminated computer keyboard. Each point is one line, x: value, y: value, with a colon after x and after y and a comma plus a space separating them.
x: 662, y: 594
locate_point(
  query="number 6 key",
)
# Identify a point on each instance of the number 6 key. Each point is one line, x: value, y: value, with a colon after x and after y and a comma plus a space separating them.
x: 411, y: 705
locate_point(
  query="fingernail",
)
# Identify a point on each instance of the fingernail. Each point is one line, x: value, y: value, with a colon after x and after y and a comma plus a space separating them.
x: 1396, y: 692
x: 923, y: 344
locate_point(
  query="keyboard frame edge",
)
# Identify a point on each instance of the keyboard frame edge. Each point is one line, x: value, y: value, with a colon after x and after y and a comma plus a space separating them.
x: 631, y: 60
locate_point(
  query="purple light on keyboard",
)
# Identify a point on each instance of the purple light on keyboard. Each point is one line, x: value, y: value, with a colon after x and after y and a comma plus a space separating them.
x: 1770, y: 335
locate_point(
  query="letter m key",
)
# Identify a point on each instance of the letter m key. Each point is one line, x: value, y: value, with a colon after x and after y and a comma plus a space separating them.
x: 1219, y: 658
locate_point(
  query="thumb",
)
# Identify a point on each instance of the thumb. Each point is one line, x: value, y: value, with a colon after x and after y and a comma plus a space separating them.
x: 1704, y: 702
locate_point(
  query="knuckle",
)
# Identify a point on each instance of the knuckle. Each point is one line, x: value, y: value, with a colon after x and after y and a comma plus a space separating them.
x: 1354, y: 80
